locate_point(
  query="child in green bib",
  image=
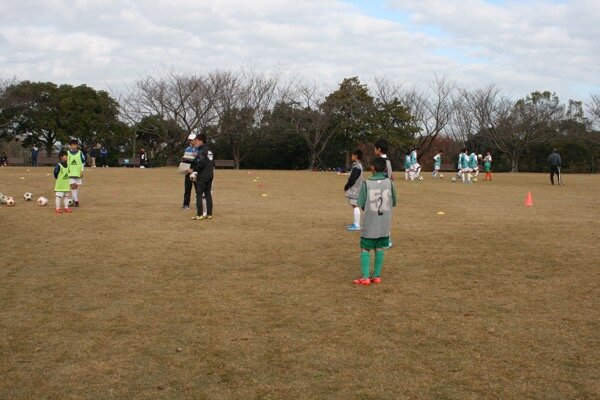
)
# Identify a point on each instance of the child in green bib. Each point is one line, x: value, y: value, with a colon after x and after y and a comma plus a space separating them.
x: 62, y: 187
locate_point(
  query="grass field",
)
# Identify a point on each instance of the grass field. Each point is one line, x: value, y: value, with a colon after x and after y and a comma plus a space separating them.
x: 129, y: 298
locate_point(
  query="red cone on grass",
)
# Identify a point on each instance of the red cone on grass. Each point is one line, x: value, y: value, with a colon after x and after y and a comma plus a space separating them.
x: 528, y: 200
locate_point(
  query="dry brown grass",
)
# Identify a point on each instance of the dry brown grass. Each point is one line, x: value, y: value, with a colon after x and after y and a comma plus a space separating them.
x: 129, y: 298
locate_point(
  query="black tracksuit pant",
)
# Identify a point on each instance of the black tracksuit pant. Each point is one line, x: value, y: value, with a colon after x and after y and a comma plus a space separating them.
x: 204, y: 187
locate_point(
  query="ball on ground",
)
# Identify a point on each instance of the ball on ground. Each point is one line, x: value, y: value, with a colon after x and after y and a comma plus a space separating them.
x: 42, y: 201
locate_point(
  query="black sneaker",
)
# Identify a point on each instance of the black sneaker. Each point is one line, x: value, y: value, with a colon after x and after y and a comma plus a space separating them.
x: 76, y: 204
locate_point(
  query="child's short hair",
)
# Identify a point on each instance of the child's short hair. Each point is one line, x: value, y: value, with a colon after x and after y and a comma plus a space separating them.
x: 440, y: 151
x: 382, y: 145
x: 201, y: 137
x: 379, y: 164
x: 73, y: 141
x: 358, y: 153
x: 61, y: 154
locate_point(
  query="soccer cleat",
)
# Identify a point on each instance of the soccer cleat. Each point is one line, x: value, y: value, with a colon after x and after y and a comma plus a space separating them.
x: 362, y: 281
x: 199, y: 217
x: 184, y: 207
x: 376, y: 280
x: 58, y: 211
x: 208, y: 216
x: 76, y: 204
x: 68, y: 210
x: 353, y: 227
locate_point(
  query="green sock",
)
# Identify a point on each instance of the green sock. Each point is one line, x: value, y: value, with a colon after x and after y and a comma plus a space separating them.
x: 365, y: 262
x: 379, y: 256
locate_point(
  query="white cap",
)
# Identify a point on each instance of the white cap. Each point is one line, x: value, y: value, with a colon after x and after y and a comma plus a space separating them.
x: 192, y: 136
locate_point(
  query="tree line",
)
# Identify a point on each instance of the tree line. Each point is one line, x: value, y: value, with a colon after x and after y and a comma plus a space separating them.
x: 263, y: 121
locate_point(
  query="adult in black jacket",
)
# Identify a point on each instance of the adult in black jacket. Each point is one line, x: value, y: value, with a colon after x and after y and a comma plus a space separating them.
x: 201, y: 172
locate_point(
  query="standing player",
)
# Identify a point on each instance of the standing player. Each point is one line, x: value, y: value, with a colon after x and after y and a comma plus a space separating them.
x: 76, y: 160
x: 381, y: 148
x: 487, y: 166
x: 377, y: 197
x: 414, y: 164
x: 61, y: 187
x: 189, y: 155
x: 407, y: 172
x: 474, y: 164
x: 352, y: 188
x: 554, y: 161
x: 203, y: 167
x: 437, y: 164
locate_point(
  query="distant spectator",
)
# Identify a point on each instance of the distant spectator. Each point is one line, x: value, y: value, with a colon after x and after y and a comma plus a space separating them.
x: 104, y: 157
x: 554, y: 162
x: 143, y: 158
x: 3, y: 159
x: 34, y: 155
x: 93, y: 155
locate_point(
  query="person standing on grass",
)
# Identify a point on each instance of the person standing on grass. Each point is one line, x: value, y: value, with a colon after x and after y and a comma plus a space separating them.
x: 437, y: 164
x: 189, y: 155
x: 202, y: 169
x: 93, y: 156
x: 377, y: 197
x: 554, y: 161
x: 143, y: 158
x: 76, y: 161
x: 34, y: 155
x: 487, y: 166
x: 352, y: 188
x: 414, y: 164
x: 407, y: 173
x: 62, y: 187
x: 104, y: 157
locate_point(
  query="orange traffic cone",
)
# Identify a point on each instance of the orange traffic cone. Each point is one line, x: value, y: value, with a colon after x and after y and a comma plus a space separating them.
x: 528, y: 200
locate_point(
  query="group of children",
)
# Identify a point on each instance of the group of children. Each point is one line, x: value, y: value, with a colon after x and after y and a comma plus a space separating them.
x: 376, y: 196
x: 68, y: 174
x: 468, y: 166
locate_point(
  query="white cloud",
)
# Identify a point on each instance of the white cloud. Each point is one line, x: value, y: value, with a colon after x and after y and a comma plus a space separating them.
x: 521, y: 46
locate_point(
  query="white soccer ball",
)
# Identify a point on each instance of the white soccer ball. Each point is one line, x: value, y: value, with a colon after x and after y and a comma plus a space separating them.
x: 420, y: 178
x: 28, y: 196
x: 193, y: 176
x: 474, y: 179
x: 441, y: 175
x: 10, y: 201
x: 453, y: 179
x: 70, y: 202
x: 479, y: 156
x: 42, y: 201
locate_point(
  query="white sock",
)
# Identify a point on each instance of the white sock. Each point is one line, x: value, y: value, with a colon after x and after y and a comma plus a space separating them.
x: 66, y: 201
x: 57, y: 202
x: 204, y: 211
x: 74, y: 193
x: 356, y: 211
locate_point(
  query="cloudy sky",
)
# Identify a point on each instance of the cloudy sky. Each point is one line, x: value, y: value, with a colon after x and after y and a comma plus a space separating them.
x: 519, y: 45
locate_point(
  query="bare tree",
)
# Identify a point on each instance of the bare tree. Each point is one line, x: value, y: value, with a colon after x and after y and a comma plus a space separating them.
x: 189, y: 100
x: 431, y: 111
x: 311, y: 119
x: 594, y: 108
x: 242, y: 104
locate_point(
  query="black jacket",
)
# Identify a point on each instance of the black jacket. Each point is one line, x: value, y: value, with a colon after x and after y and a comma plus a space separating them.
x: 203, y: 164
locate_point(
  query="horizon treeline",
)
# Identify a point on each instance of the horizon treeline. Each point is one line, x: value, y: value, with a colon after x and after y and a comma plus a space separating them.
x: 263, y: 121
